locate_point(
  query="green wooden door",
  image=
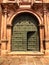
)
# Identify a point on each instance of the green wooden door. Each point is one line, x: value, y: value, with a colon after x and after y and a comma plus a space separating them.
x: 25, y: 35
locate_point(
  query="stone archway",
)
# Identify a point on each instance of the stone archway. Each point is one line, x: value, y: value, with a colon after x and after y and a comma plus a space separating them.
x: 25, y: 33
x: 10, y: 25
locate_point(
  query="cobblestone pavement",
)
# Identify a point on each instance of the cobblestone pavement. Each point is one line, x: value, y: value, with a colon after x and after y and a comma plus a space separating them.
x: 24, y: 60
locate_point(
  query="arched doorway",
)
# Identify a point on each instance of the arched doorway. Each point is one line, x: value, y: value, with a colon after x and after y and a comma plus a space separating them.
x: 25, y: 33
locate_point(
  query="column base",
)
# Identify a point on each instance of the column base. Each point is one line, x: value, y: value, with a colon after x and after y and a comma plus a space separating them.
x: 4, y: 52
x: 46, y: 44
x: 47, y: 52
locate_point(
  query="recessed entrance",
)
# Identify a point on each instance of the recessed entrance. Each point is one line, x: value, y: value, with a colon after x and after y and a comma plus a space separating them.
x: 25, y: 33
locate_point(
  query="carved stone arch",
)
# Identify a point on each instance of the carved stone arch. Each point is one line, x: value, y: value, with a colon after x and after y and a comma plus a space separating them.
x: 36, y: 16
x: 28, y: 11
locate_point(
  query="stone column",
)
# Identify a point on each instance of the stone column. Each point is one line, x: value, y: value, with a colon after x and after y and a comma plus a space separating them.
x: 9, y: 35
x: 41, y: 29
x: 4, y: 32
x: 45, y: 21
x: 46, y: 41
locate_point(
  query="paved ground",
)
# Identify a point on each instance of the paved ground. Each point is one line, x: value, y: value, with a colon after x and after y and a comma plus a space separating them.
x: 24, y: 60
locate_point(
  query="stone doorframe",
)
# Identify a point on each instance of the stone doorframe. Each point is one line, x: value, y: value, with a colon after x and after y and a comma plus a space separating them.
x: 7, y: 26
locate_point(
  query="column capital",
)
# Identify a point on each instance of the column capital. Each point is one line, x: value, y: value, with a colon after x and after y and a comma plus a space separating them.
x: 44, y: 9
x: 41, y: 26
x: 4, y: 8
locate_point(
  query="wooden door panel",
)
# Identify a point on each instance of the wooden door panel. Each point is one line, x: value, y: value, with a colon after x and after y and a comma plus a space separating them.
x: 25, y: 34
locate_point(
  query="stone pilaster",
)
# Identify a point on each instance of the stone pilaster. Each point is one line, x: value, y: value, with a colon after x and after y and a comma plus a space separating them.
x: 45, y: 21
x: 46, y: 41
x: 41, y: 29
x: 4, y: 32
